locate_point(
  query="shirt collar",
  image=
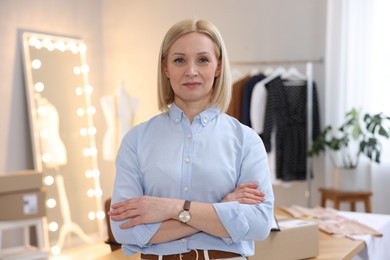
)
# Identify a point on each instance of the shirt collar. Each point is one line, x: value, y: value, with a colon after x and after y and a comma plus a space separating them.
x: 176, y: 114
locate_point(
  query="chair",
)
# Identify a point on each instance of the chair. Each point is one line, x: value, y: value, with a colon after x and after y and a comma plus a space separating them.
x: 111, y: 240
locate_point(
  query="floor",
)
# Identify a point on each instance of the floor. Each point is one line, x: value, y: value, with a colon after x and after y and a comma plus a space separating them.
x: 85, y: 252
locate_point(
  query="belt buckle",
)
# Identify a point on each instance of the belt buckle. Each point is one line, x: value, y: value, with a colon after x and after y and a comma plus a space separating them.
x: 196, y: 252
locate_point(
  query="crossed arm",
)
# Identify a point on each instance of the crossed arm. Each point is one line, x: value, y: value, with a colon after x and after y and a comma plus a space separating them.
x: 147, y: 209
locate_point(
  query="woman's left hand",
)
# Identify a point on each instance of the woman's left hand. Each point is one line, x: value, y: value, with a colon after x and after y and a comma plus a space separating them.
x: 246, y: 193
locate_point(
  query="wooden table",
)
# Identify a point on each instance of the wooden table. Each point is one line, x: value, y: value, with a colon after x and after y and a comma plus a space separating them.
x: 346, y: 196
x: 332, y: 247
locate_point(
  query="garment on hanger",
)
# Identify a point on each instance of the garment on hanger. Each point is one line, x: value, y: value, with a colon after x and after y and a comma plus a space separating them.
x: 286, y: 114
x: 259, y: 98
x: 235, y: 105
x: 246, y: 98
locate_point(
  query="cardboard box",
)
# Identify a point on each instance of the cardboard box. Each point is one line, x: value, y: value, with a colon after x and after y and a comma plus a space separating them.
x: 297, y: 239
x: 21, y: 196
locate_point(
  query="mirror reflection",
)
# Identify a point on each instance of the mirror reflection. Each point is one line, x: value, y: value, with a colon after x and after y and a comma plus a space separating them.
x: 63, y: 134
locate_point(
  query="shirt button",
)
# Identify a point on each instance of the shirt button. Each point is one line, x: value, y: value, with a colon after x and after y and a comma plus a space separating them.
x: 177, y: 120
x: 187, y: 160
x: 189, y: 136
x: 204, y: 121
x: 186, y: 189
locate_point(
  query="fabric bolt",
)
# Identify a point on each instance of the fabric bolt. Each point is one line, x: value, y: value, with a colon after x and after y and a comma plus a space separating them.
x: 202, y: 161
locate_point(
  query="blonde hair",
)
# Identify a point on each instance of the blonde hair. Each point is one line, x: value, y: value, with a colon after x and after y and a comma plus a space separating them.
x: 222, y: 89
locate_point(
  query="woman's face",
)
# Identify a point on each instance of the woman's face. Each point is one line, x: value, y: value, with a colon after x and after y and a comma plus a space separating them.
x: 191, y: 66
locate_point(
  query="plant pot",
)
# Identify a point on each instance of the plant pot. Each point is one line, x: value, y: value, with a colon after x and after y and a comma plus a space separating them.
x: 352, y: 179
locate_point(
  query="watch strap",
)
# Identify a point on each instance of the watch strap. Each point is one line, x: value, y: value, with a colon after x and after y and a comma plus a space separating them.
x: 187, y: 205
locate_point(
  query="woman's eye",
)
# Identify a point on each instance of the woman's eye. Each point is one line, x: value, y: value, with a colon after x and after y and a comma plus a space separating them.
x: 203, y: 60
x: 178, y: 60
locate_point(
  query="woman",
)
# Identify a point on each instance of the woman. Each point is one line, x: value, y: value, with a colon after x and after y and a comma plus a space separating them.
x: 192, y: 182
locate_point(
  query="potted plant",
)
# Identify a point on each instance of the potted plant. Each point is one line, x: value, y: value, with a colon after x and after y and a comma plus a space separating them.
x: 359, y: 135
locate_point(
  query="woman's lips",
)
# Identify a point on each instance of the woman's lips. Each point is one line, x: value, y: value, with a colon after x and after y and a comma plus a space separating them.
x: 191, y: 84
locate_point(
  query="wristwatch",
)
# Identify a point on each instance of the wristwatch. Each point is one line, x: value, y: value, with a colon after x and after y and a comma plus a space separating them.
x: 185, y: 215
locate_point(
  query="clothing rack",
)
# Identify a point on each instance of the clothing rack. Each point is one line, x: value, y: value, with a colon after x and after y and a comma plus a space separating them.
x: 276, y: 62
x: 309, y: 105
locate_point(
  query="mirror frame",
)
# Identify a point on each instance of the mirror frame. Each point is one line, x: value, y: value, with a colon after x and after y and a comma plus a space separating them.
x: 53, y: 43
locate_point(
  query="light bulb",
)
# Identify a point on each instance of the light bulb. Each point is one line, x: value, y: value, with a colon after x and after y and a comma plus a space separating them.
x: 91, y: 130
x: 85, y: 69
x: 91, y: 110
x: 51, y: 203
x: 83, y: 131
x: 90, y: 193
x: 88, y: 174
x: 49, y: 180
x: 98, y: 193
x: 96, y: 173
x: 46, y: 42
x: 91, y: 215
x: 100, y: 214
x: 88, y: 89
x: 80, y: 112
x: 36, y: 64
x: 60, y: 45
x: 92, y: 151
x: 82, y: 47
x: 76, y: 70
x: 33, y: 41
x: 53, y: 226
x: 86, y: 152
x: 79, y: 91
x: 39, y: 87
x: 55, y: 250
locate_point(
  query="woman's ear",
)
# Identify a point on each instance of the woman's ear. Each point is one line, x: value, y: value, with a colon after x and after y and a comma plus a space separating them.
x: 218, y: 70
x: 165, y: 68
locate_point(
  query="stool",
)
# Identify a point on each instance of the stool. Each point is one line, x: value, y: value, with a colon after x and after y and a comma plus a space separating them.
x: 352, y: 197
x: 26, y: 251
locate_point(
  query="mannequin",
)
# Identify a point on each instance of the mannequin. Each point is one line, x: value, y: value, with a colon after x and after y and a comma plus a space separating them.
x: 52, y: 145
x: 118, y: 110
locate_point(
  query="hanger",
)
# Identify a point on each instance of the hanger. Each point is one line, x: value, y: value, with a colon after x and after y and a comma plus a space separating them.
x: 293, y: 74
x: 277, y: 72
x: 254, y: 72
x: 268, y: 71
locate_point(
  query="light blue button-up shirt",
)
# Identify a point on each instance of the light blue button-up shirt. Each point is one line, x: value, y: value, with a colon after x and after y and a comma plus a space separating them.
x: 203, y: 161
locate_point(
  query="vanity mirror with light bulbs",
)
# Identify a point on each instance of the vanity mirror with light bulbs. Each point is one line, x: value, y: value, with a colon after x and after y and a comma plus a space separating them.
x: 63, y: 134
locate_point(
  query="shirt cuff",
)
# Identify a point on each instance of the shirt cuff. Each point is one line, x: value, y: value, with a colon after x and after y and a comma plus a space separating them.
x: 233, y: 219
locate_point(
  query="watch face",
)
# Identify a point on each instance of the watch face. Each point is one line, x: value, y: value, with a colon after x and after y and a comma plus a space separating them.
x: 184, y: 216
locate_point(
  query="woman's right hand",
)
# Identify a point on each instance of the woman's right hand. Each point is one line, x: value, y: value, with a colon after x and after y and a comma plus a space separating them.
x: 246, y: 193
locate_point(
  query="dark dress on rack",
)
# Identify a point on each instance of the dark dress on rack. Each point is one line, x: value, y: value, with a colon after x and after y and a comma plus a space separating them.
x: 246, y: 98
x: 286, y: 114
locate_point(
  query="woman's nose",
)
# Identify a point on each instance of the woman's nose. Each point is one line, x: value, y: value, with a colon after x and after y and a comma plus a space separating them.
x: 191, y: 71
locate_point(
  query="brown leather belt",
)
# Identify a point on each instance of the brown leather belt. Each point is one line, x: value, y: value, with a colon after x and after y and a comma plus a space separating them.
x: 192, y: 255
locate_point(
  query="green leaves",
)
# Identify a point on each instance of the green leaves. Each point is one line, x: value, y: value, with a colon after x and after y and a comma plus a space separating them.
x: 364, y: 131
